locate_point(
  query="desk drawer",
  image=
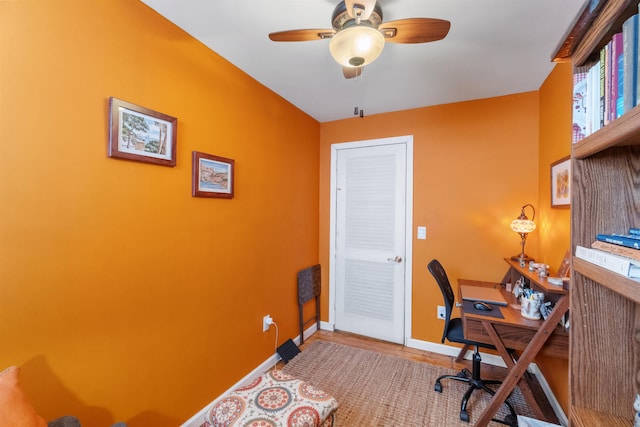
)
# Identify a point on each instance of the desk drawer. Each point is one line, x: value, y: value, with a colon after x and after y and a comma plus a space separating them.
x: 518, y: 338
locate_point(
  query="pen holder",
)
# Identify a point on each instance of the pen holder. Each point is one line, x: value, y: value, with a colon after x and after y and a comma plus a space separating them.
x: 531, y: 305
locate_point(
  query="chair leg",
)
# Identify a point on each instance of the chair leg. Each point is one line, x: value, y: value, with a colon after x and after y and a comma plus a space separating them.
x: 460, y: 376
x: 464, y: 415
x: 301, y: 319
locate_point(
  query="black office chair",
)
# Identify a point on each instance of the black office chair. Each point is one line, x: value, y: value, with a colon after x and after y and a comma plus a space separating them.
x: 453, y: 332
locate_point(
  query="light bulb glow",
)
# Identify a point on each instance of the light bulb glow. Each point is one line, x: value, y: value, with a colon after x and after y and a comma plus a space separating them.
x: 523, y: 225
x: 356, y: 46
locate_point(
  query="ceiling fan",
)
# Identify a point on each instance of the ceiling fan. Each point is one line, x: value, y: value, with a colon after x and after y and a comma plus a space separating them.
x: 358, y: 35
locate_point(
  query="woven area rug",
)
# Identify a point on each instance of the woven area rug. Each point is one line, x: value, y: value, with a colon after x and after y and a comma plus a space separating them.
x: 374, y: 389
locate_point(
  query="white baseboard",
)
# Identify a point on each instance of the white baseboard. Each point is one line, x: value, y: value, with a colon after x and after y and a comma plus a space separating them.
x: 325, y: 326
x: 495, y: 360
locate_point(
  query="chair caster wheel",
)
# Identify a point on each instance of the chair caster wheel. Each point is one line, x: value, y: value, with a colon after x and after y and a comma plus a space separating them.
x: 438, y: 387
x: 464, y: 416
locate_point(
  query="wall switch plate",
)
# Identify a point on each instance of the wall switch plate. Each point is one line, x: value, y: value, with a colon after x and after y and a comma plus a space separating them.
x: 422, y: 233
x: 441, y: 312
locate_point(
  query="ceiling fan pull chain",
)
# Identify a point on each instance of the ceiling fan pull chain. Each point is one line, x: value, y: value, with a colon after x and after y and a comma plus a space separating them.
x: 361, y: 102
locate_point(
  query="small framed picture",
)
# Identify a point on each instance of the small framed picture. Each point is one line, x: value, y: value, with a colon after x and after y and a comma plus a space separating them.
x: 212, y: 176
x: 140, y: 134
x: 561, y: 183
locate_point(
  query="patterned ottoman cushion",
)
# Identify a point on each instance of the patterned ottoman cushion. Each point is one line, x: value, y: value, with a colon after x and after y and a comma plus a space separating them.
x: 274, y: 399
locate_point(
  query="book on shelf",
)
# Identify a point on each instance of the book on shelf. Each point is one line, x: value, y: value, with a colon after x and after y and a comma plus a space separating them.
x: 617, y: 249
x: 607, y: 83
x: 579, y: 104
x: 617, y: 67
x: 602, y: 86
x: 607, y: 86
x: 615, y: 263
x: 630, y: 60
x: 593, y: 98
x: 628, y: 240
x: 638, y: 57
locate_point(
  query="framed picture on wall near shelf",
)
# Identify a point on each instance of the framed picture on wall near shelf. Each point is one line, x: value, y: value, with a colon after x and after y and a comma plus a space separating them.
x: 213, y: 176
x: 140, y: 134
x: 561, y: 183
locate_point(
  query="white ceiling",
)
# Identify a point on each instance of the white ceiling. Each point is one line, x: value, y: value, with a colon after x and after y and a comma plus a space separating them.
x: 494, y: 48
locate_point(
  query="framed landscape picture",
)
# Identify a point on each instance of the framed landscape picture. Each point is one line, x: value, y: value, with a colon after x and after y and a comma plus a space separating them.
x: 213, y: 176
x: 561, y: 183
x: 140, y: 134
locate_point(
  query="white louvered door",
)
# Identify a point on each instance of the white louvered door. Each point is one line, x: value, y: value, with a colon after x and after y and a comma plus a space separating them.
x: 369, y: 240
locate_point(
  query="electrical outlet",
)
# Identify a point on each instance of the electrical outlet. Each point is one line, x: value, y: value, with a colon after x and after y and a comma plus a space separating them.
x: 441, y: 312
x: 266, y: 323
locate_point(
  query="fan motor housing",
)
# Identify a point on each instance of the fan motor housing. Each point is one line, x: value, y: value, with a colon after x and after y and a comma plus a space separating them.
x: 341, y: 19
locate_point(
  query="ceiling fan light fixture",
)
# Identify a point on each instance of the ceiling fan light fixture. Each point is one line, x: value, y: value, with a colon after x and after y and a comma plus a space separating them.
x: 356, y: 46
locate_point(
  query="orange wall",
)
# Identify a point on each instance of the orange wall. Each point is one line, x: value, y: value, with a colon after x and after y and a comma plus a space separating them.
x: 555, y: 143
x: 475, y: 165
x: 121, y: 296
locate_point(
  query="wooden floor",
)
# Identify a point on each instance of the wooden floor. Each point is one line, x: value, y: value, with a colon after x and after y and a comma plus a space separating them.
x: 384, y: 347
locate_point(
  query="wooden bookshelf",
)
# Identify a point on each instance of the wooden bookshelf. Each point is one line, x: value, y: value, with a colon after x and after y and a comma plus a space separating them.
x: 604, y: 344
x: 624, y: 286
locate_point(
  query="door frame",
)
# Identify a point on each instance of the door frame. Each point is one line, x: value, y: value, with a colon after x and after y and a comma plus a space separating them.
x: 408, y: 261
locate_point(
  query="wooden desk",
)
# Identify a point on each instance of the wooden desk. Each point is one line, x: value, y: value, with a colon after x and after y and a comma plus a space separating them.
x: 531, y: 337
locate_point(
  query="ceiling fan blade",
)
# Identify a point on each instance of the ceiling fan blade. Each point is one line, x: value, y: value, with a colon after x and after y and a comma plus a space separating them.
x: 301, y: 35
x: 351, y: 72
x: 415, y: 30
x: 364, y: 6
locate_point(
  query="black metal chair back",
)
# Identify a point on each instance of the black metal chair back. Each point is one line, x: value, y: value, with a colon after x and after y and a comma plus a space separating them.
x: 440, y: 275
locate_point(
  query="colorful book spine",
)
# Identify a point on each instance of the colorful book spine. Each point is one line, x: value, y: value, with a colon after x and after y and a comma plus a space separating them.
x: 579, y: 105
x: 638, y: 58
x: 617, y: 249
x: 593, y: 98
x: 607, y: 84
x: 620, y: 98
x: 619, y: 239
x: 621, y: 265
x: 602, y: 86
x: 630, y: 54
x: 628, y: 236
x: 616, y: 72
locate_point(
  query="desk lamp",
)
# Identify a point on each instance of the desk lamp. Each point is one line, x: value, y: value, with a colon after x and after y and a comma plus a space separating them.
x: 523, y: 226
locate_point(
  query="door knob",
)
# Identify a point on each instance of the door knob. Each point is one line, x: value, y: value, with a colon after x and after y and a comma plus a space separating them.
x: 396, y: 259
